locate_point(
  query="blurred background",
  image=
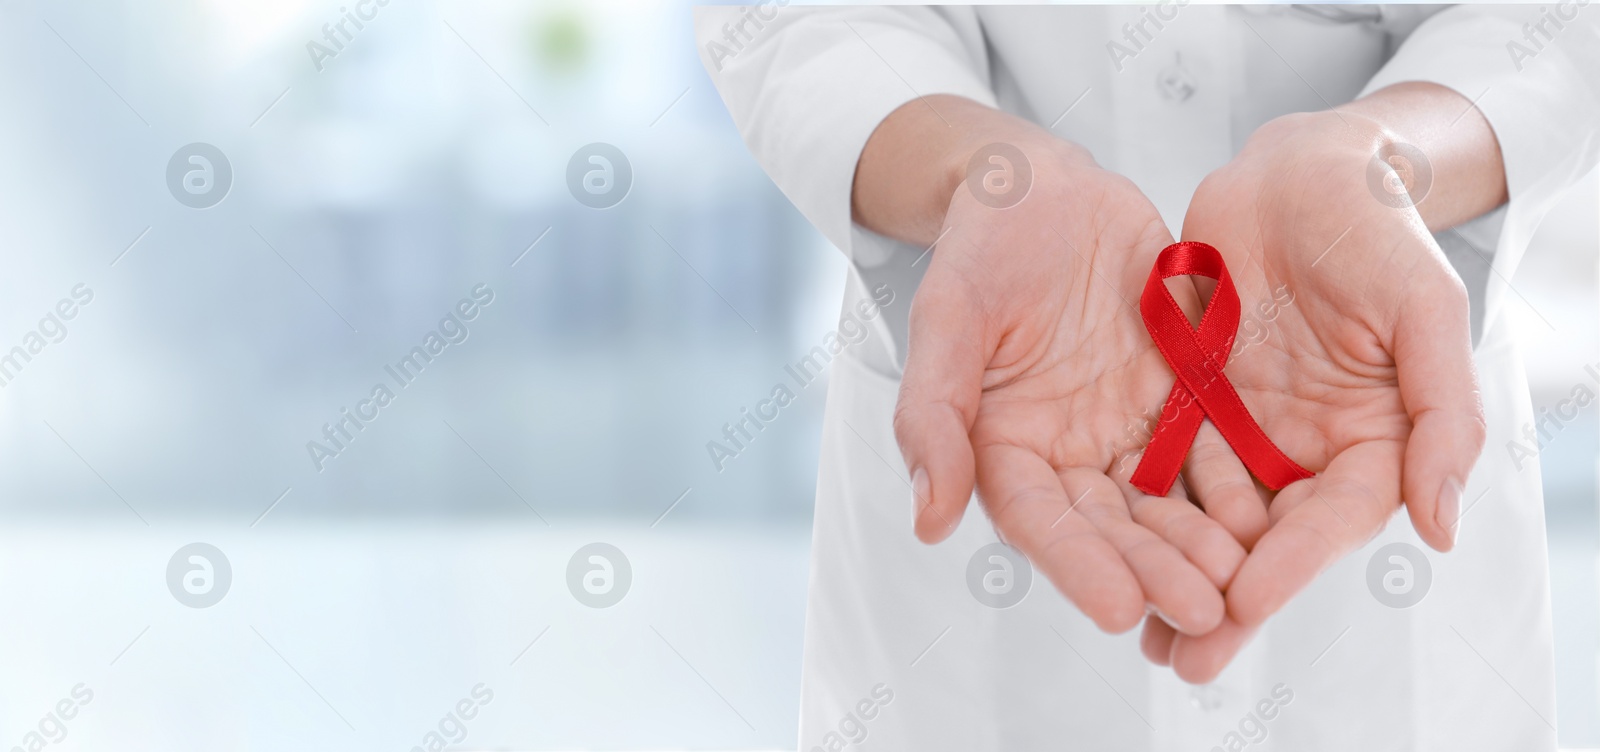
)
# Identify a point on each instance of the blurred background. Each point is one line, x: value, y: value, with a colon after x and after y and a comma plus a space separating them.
x: 364, y: 189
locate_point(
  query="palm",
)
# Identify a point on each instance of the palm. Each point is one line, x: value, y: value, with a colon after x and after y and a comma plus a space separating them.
x: 1029, y: 307
x: 1318, y: 376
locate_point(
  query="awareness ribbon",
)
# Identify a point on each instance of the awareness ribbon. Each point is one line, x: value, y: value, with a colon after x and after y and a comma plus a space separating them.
x: 1197, y: 357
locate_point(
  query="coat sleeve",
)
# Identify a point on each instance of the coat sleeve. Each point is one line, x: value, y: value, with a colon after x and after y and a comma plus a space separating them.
x: 807, y: 86
x: 1534, y: 73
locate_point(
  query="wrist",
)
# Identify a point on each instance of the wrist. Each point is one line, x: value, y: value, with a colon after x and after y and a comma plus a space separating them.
x: 1039, y: 147
x: 923, y: 153
x: 1449, y: 139
x: 1408, y: 158
x: 1332, y: 135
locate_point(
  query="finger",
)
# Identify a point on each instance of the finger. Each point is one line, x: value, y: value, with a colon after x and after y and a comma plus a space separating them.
x: 1200, y: 659
x: 938, y: 401
x: 1439, y: 386
x: 1156, y: 640
x: 1176, y: 519
x: 1219, y: 482
x: 1172, y: 585
x: 1031, y: 509
x: 1201, y: 539
x: 1315, y: 522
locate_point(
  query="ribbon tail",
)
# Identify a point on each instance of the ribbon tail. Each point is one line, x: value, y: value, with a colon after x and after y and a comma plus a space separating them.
x: 1264, y: 460
x: 1169, y: 442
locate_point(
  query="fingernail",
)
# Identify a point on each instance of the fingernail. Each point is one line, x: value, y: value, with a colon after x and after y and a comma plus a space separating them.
x: 919, y: 492
x: 1449, y: 512
x: 1150, y: 608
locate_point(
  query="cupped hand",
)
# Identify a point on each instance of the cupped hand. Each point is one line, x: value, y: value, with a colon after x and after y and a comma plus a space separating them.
x: 1027, y: 361
x: 1354, y: 356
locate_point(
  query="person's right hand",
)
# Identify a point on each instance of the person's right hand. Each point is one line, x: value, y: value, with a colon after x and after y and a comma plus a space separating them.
x: 1027, y: 361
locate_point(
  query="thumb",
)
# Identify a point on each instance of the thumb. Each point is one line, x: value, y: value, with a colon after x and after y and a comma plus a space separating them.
x: 945, y: 361
x: 1439, y: 386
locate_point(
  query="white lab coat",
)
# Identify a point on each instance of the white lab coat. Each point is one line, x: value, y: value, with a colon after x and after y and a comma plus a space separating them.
x: 1468, y: 668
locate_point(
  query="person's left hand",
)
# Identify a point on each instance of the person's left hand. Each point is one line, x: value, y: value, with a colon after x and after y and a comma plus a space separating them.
x: 1365, y: 374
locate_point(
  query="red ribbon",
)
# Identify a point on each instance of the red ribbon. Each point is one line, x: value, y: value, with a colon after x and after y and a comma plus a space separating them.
x: 1197, y: 357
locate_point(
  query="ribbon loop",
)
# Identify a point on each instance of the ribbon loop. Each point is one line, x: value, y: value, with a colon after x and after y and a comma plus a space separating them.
x: 1197, y: 357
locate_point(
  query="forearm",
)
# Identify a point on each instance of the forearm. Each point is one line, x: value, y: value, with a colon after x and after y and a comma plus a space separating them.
x: 1461, y: 148
x: 917, y: 158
